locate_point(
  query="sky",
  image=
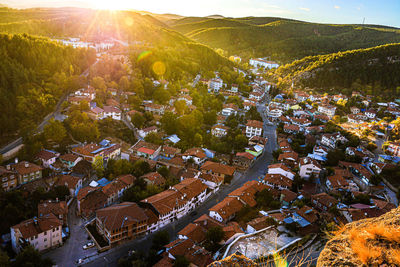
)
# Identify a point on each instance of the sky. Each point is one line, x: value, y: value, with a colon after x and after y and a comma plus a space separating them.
x: 383, y: 12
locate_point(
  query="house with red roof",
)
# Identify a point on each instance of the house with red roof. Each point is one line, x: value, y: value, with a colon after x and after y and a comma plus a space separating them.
x: 42, y: 233
x: 145, y: 150
x: 280, y: 168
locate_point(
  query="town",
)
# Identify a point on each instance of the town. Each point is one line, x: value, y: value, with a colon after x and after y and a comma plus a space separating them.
x: 278, y: 166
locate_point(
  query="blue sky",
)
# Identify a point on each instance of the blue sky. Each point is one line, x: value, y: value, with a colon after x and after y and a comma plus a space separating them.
x: 384, y: 12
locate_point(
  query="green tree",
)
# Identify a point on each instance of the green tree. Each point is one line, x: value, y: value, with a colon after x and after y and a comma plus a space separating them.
x: 30, y: 257
x: 161, y: 95
x: 98, y: 166
x: 160, y: 239
x: 54, y: 131
x: 253, y: 114
x: 153, y: 138
x: 138, y: 120
x: 99, y: 83
x: 240, y: 142
x: 169, y: 123
x: 140, y: 168
x: 124, y: 83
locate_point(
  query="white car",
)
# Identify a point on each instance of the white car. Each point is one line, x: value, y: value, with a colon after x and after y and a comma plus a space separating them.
x: 88, y: 245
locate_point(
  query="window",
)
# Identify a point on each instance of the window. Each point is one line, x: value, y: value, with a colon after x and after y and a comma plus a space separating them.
x: 4, y: 179
x: 45, y: 232
x: 45, y: 240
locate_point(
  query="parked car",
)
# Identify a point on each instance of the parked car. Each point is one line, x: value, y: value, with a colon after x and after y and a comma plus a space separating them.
x: 88, y: 245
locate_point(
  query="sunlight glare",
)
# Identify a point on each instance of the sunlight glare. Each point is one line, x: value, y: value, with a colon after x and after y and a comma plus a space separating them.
x: 111, y: 5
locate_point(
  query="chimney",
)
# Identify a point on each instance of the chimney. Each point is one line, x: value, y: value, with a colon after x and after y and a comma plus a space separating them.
x: 26, y: 164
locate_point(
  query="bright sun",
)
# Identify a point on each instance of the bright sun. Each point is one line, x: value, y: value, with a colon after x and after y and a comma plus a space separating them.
x: 111, y: 4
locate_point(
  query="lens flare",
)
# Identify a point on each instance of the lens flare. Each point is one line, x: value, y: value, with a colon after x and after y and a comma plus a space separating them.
x: 279, y: 261
x: 144, y: 55
x: 159, y: 68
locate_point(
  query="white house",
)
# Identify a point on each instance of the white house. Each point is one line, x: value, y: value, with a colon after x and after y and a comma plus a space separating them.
x: 320, y: 151
x: 42, y: 233
x: 256, y: 95
x: 112, y: 112
x: 188, y: 99
x: 89, y: 92
x: 177, y: 201
x: 370, y: 113
x: 331, y: 140
x: 280, y: 168
x: 47, y: 157
x: 195, y: 153
x: 215, y: 85
x: 328, y: 110
x: 262, y: 62
x: 229, y: 109
x: 144, y: 132
x: 254, y: 128
x: 274, y: 113
x: 308, y: 166
x: 219, y: 130
x: 234, y: 88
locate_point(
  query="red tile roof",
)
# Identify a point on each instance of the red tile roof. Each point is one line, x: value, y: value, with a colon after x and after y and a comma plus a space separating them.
x: 35, y: 226
x: 218, y: 168
x: 120, y: 215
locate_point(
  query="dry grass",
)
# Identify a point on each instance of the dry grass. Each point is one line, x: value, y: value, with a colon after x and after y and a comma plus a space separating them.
x: 362, y: 243
x: 395, y: 256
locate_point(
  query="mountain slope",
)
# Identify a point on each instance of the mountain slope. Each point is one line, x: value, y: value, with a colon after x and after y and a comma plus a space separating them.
x: 33, y: 76
x: 283, y: 39
x: 373, y: 69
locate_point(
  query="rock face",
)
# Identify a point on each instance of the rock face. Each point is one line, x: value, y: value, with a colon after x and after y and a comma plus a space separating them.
x: 234, y: 260
x: 369, y: 242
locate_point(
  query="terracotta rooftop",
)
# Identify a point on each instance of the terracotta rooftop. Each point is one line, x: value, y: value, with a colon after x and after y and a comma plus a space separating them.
x: 227, y: 207
x: 46, y: 154
x: 69, y: 157
x: 278, y: 180
x: 154, y: 178
x: 254, y: 124
x: 119, y: 215
x: 218, y: 168
x: 68, y: 180
x: 35, y: 226
x: 25, y: 167
x: 55, y: 207
x: 194, y: 232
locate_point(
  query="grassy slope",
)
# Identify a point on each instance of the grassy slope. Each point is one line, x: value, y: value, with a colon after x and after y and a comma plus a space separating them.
x: 283, y: 39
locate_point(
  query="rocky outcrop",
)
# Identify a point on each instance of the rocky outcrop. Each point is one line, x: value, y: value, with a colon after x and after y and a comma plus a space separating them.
x: 234, y: 260
x: 369, y: 242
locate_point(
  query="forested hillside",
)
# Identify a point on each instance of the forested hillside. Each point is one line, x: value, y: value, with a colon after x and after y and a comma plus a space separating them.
x: 282, y: 39
x: 34, y: 74
x: 374, y: 70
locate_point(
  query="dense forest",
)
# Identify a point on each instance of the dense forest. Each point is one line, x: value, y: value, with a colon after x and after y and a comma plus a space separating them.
x: 282, y: 39
x: 375, y: 71
x: 34, y: 74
